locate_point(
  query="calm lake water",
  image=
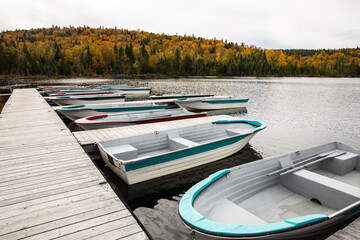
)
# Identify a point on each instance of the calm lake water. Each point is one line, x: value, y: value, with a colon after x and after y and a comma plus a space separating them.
x: 299, y: 113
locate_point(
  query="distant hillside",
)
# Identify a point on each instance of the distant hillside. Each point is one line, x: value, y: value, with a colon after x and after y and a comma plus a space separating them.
x: 85, y: 51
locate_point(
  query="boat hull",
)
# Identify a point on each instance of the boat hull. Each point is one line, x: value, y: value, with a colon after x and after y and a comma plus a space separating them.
x: 110, y: 124
x: 311, y: 232
x: 162, y: 169
x: 74, y: 114
x: 132, y: 92
x: 62, y: 102
x: 209, y: 106
x: 175, y: 96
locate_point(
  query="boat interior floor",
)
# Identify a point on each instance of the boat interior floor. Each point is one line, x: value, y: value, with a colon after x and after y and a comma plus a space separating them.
x: 281, y: 203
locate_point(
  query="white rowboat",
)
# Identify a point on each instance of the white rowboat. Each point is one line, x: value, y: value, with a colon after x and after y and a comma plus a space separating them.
x: 87, y: 99
x: 85, y: 110
x: 210, y: 104
x: 126, y: 119
x: 144, y: 157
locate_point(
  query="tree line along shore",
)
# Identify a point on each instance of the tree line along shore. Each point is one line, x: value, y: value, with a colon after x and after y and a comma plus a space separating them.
x: 85, y: 51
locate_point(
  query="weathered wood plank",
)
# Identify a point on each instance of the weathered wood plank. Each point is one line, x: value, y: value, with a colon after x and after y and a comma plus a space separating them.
x: 73, y: 196
x: 100, y: 226
x: 53, y: 226
x: 128, y: 231
x: 46, y: 184
x: 136, y: 236
x: 19, y: 222
x: 20, y: 176
x: 351, y: 232
x: 48, y: 176
x: 36, y: 193
x: 45, y: 178
x: 40, y: 203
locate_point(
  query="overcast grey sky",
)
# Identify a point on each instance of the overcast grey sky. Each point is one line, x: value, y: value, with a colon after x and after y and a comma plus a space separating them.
x: 264, y: 23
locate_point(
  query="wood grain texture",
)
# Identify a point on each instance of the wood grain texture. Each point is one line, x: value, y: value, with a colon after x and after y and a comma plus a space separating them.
x: 49, y: 187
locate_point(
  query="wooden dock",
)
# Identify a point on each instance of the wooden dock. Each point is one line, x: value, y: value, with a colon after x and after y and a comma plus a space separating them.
x: 88, y: 138
x: 350, y: 232
x: 49, y: 187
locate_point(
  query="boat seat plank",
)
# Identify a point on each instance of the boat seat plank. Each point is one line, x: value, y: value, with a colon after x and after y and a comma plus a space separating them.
x: 124, y: 152
x: 226, y: 211
x: 342, y: 164
x: 329, y: 192
x: 179, y: 143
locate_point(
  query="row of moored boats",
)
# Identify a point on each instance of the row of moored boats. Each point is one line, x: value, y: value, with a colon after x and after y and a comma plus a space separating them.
x: 300, y: 195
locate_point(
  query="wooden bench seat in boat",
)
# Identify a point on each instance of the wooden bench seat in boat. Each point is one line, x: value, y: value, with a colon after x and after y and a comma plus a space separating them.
x: 176, y: 142
x: 329, y: 192
x: 226, y: 211
x: 124, y: 152
x: 342, y: 164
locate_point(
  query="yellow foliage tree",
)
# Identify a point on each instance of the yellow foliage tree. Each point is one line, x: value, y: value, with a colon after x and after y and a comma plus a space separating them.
x: 69, y: 58
x: 97, y: 60
x: 153, y: 61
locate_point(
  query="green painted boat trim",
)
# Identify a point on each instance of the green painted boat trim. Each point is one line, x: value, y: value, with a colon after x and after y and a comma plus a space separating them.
x: 125, y: 89
x: 128, y: 109
x: 254, y: 123
x: 227, y: 101
x: 73, y: 106
x: 259, y: 125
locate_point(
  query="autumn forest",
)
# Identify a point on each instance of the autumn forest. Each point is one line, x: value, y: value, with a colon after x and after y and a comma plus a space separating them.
x: 85, y: 51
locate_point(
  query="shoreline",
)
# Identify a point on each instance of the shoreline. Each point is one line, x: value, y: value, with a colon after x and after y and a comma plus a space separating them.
x: 139, y: 77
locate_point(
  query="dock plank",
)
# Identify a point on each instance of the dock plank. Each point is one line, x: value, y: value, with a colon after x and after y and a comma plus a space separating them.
x: 49, y: 186
x: 350, y: 232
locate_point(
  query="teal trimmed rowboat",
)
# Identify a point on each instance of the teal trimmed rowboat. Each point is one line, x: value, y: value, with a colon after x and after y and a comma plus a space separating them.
x: 144, y: 157
x: 126, y: 90
x: 81, y: 111
x: 87, y: 99
x: 176, y: 96
x: 301, y: 195
x: 211, y: 103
